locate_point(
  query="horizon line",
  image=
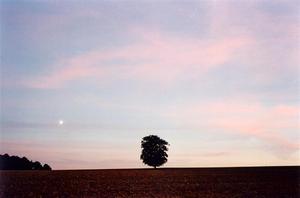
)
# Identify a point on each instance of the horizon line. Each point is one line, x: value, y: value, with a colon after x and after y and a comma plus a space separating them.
x: 192, y: 167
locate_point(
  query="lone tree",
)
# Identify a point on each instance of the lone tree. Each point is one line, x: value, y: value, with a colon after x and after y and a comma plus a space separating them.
x: 154, y: 151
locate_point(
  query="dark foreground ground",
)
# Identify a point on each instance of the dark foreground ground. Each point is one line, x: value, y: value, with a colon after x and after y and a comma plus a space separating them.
x: 175, y: 182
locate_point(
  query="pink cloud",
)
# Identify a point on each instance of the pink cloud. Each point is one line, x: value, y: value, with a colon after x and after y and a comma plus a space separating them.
x: 270, y: 124
x: 164, y: 58
x: 260, y: 131
x: 287, y: 110
x: 155, y: 57
x: 58, y: 78
x: 215, y: 154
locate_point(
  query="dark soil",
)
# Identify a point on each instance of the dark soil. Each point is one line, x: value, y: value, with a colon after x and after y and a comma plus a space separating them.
x: 165, y: 182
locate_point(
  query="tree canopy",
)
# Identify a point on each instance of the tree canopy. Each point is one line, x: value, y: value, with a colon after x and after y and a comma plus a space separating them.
x: 154, y: 151
x: 16, y: 163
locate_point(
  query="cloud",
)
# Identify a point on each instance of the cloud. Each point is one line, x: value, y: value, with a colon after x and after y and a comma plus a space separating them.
x: 61, y: 76
x: 273, y: 125
x: 215, y: 154
x: 155, y: 56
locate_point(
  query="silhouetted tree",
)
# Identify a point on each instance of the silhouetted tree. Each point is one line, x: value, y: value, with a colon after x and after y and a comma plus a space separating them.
x: 154, y: 151
x: 46, y: 167
x: 37, y: 166
x: 16, y: 163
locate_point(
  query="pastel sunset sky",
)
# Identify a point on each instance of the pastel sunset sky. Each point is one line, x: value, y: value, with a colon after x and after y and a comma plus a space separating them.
x: 219, y: 80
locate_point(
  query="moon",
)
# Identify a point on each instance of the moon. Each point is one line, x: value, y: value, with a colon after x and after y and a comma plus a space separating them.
x: 60, y: 122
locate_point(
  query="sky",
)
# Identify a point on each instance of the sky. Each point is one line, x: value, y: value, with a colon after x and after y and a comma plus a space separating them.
x: 82, y: 82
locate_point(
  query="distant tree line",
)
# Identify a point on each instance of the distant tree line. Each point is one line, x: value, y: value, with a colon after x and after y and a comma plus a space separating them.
x: 16, y: 163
